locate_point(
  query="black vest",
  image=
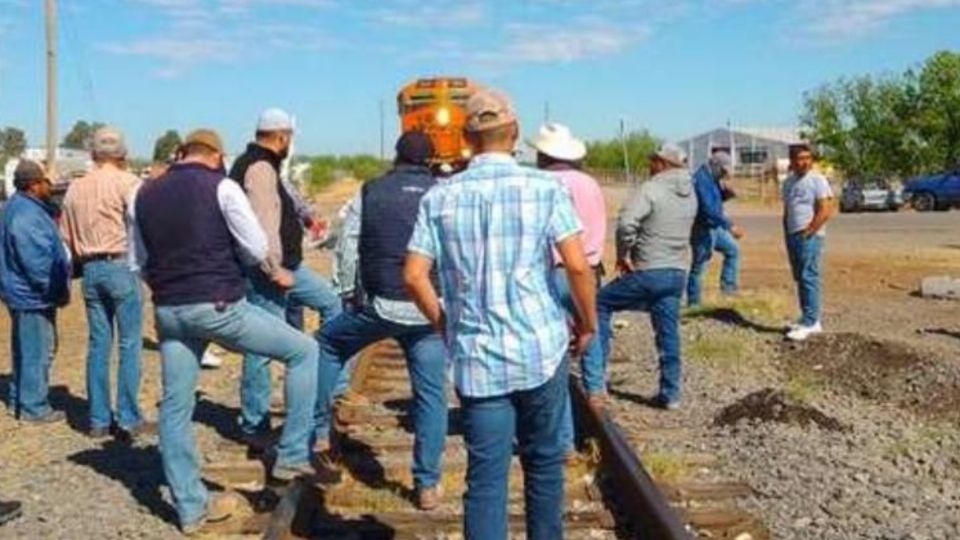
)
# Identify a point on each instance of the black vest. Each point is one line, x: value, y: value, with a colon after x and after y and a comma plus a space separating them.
x: 191, y: 256
x: 388, y: 214
x: 291, y: 230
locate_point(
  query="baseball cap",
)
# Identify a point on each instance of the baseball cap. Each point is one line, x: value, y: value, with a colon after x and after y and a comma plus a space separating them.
x: 205, y: 137
x: 414, y: 147
x: 672, y: 154
x: 108, y: 142
x: 27, y: 173
x: 274, y: 119
x: 721, y: 160
x: 489, y: 109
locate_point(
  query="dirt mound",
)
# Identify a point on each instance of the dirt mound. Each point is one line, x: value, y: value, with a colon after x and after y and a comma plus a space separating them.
x: 880, y: 370
x: 769, y: 405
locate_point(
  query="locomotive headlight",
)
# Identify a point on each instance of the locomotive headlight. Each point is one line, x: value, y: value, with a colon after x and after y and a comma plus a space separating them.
x: 466, y: 153
x: 443, y: 116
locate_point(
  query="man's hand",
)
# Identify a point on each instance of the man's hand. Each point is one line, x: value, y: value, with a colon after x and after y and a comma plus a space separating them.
x: 581, y: 339
x: 318, y: 228
x: 736, y: 231
x: 282, y: 278
x: 624, y: 266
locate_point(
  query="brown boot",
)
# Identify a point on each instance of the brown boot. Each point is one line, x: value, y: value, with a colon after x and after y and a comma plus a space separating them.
x: 220, y: 508
x: 429, y: 498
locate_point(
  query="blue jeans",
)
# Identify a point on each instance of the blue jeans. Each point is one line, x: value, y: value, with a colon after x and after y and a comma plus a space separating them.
x: 184, y: 333
x: 805, y: 260
x: 593, y: 366
x: 348, y: 334
x: 704, y: 242
x: 294, y: 316
x: 309, y: 290
x: 490, y: 426
x: 657, y: 292
x: 31, y: 343
x: 113, y: 295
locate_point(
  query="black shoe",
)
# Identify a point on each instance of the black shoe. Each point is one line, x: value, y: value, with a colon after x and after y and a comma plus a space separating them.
x: 52, y: 417
x: 9, y: 511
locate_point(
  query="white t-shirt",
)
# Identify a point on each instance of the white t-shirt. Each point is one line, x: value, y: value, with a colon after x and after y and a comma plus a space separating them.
x: 800, y: 195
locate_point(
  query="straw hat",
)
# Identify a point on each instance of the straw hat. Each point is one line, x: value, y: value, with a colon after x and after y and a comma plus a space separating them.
x: 556, y: 141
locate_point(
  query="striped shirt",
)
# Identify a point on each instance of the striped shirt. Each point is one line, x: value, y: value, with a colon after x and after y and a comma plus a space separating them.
x: 490, y: 230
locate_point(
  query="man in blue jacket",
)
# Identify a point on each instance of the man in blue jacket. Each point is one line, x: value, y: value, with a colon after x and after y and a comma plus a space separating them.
x: 713, y: 230
x: 34, y: 282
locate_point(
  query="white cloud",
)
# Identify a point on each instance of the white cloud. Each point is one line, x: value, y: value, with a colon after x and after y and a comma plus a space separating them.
x: 845, y: 19
x: 540, y: 43
x: 435, y: 13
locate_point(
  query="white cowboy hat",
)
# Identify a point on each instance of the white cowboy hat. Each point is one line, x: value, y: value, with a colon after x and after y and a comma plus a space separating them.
x: 556, y: 141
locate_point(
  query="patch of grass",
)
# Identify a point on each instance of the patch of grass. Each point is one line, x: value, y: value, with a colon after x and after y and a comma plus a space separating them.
x: 803, y: 387
x: 669, y: 468
x: 718, y: 350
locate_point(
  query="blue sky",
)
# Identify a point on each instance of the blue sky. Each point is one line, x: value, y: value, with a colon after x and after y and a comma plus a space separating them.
x: 675, y: 67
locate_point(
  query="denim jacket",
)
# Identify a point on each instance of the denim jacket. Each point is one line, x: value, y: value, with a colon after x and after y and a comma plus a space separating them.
x: 34, y: 265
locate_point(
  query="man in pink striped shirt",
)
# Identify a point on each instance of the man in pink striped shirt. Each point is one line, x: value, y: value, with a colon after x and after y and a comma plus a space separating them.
x: 559, y: 152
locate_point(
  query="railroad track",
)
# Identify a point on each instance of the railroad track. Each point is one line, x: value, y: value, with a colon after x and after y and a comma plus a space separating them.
x: 609, y: 494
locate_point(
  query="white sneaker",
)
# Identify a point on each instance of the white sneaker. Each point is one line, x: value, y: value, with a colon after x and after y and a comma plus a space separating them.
x: 210, y: 360
x: 800, y: 332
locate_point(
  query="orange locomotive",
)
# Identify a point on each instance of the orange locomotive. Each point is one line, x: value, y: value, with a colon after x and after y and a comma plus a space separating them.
x: 438, y: 108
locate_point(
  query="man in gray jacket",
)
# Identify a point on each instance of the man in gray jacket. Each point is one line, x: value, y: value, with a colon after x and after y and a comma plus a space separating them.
x: 653, y: 236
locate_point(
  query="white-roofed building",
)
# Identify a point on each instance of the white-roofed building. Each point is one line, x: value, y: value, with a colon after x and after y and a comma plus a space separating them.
x: 754, y: 150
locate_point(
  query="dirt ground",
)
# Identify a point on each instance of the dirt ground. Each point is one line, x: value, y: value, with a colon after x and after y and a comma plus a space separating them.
x: 73, y: 487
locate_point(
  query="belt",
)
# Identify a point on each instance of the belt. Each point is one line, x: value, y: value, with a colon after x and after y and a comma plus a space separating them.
x: 102, y: 257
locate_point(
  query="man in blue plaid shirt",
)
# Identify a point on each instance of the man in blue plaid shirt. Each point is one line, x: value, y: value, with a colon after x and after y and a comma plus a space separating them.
x: 489, y: 230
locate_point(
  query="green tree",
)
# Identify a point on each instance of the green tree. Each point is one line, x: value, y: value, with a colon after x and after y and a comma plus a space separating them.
x: 937, y: 88
x: 13, y: 141
x: 81, y: 135
x: 895, y: 125
x: 166, y: 145
x: 608, y: 154
x: 326, y: 169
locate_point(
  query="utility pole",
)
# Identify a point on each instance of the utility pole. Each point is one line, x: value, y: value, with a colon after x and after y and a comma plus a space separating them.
x: 626, y: 156
x: 51, y: 18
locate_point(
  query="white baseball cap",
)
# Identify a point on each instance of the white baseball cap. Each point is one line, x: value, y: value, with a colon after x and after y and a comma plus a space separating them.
x: 556, y: 141
x: 274, y: 119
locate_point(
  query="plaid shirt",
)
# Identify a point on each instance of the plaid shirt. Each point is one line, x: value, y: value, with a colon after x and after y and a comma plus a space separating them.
x: 490, y: 230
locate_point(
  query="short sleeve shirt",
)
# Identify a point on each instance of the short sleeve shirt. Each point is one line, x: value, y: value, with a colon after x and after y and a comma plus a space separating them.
x: 800, y: 194
x: 490, y: 231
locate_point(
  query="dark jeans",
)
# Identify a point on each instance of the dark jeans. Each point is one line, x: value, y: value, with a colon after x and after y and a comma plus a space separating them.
x: 490, y: 426
x: 805, y: 260
x: 350, y: 332
x: 32, y: 337
x: 657, y: 292
x: 113, y: 296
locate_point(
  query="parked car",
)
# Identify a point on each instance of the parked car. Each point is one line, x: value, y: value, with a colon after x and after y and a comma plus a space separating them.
x: 934, y: 192
x: 861, y: 195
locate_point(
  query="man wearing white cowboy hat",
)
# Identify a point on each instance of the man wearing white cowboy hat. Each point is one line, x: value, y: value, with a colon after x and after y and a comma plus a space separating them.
x: 560, y: 153
x: 653, y: 239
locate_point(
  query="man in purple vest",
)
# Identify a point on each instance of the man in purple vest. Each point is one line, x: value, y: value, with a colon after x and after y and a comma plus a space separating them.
x: 193, y: 234
x: 389, y: 207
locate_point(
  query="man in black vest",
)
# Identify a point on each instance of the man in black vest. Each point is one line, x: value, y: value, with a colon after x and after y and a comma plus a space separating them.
x: 282, y: 276
x: 388, y: 212
x: 193, y: 234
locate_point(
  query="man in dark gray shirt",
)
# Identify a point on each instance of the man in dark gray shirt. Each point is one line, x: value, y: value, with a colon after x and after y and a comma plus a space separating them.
x: 653, y: 236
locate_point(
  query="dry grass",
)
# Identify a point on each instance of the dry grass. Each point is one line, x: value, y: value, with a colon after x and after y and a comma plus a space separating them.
x: 666, y: 468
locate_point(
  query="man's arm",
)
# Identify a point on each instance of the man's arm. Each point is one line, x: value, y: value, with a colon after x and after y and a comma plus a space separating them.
x: 582, y: 288
x: 261, y: 183
x: 137, y: 252
x: 347, y: 255
x: 416, y: 277
x: 629, y: 223
x: 34, y: 250
x: 243, y: 223
x: 824, y: 210
x: 710, y: 200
